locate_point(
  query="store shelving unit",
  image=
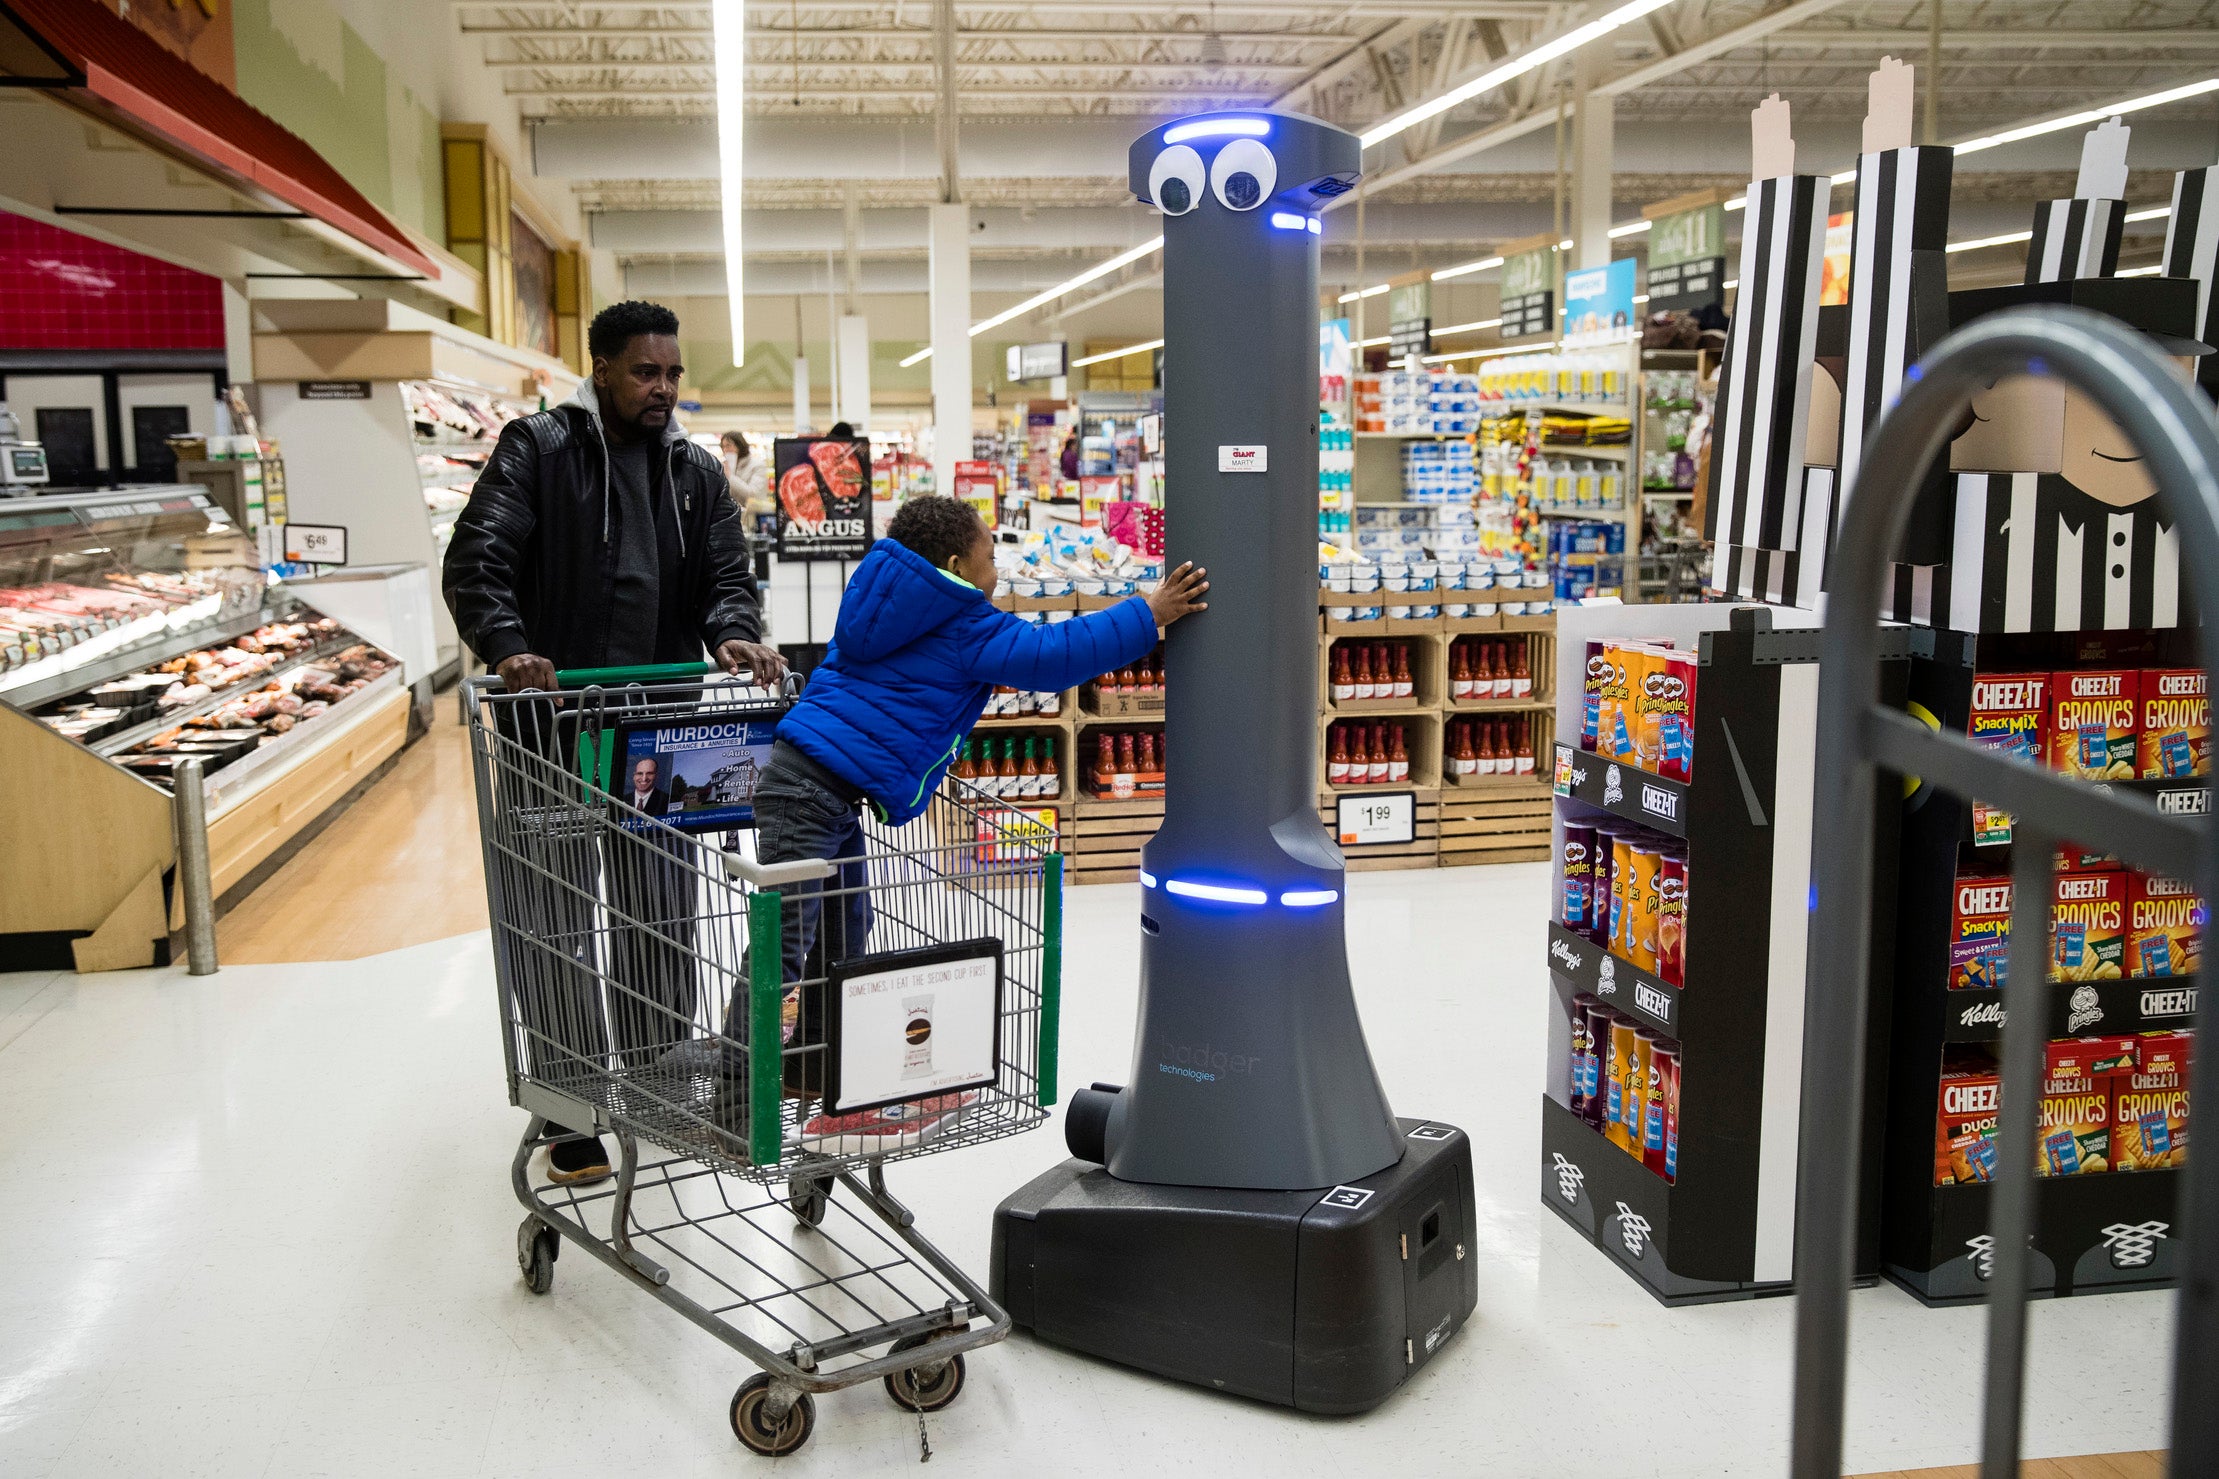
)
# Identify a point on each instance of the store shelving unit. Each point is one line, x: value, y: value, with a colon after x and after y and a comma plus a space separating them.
x: 1724, y: 1228
x: 1495, y: 819
x: 2093, y: 1233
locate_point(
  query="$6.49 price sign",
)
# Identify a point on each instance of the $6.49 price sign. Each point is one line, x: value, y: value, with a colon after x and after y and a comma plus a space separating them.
x: 1370, y: 820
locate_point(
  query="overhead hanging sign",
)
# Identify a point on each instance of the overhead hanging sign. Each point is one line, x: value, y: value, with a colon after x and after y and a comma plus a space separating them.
x: 1529, y: 289
x: 1037, y: 361
x: 1687, y: 252
x: 1409, y: 317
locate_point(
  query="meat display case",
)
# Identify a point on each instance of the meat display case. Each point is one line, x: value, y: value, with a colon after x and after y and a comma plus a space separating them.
x: 136, y: 628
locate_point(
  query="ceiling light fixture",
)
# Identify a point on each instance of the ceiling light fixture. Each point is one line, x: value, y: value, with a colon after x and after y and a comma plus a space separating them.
x: 1101, y: 269
x: 728, y: 20
x: 2089, y: 115
x: 1516, y: 67
x: 1095, y: 359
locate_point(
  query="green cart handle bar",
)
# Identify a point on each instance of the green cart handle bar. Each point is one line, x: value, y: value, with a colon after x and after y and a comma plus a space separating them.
x: 643, y: 673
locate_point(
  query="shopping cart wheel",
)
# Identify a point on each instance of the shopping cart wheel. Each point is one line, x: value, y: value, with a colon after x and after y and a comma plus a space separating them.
x: 810, y: 1197
x: 926, y: 1388
x: 752, y: 1427
x: 536, y: 1247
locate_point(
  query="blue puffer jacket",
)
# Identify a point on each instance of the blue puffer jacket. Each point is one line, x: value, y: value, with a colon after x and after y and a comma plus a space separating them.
x: 913, y: 659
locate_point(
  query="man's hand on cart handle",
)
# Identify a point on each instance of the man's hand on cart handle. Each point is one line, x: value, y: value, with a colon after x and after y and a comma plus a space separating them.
x: 764, y: 662
x: 527, y: 670
x: 1180, y: 594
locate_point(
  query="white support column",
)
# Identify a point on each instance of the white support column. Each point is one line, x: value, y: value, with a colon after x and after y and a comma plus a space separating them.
x: 852, y: 403
x: 801, y: 395
x: 950, y: 237
x: 1592, y: 131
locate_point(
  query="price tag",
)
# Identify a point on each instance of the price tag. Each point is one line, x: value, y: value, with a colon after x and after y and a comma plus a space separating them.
x: 1367, y: 821
x: 1563, y: 778
x: 316, y: 544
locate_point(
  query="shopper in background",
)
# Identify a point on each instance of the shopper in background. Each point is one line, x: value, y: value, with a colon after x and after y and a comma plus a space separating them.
x: 841, y: 432
x: 747, y: 475
x: 599, y: 535
x: 917, y: 649
x: 1071, y: 458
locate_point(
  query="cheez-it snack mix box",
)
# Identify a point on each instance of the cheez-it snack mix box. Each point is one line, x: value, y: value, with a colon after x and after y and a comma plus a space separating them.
x: 2093, y: 721
x: 1979, y: 933
x: 2079, y: 1075
x: 2165, y: 926
x: 2149, y: 1106
x: 2010, y: 712
x: 2088, y: 926
x: 1965, y: 1122
x: 2174, y: 735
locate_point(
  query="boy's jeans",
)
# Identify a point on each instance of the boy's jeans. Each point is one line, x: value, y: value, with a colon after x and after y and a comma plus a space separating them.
x: 798, y: 816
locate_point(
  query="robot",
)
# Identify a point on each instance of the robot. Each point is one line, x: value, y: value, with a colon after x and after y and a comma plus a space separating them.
x: 1247, y: 1213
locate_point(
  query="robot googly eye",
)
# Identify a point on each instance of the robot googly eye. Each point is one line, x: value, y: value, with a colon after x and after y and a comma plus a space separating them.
x: 1243, y: 175
x: 1175, y: 180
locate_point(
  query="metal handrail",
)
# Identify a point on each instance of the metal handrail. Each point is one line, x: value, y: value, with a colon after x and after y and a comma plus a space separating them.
x: 2173, y: 426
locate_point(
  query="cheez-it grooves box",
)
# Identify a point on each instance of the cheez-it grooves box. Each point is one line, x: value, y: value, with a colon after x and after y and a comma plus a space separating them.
x: 2174, y: 735
x: 2093, y: 721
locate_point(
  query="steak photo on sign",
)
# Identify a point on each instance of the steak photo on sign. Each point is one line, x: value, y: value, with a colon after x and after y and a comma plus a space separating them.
x: 824, y: 497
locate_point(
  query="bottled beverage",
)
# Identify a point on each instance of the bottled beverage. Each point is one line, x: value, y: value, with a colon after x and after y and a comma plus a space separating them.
x: 1460, y: 672
x: 1364, y: 687
x: 1344, y: 677
x: 1359, y: 755
x: 1013, y: 779
x: 1028, y: 773
x: 962, y: 770
x: 1051, y: 775
x: 1521, y: 676
x: 1405, y: 686
x: 1398, y: 758
x: 1336, y: 765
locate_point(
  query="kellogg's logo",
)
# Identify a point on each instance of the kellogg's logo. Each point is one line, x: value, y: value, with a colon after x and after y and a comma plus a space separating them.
x: 1982, y: 1014
x: 1558, y: 950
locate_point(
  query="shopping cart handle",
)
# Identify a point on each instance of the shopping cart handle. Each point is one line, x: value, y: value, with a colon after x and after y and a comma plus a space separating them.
x: 775, y: 875
x: 642, y: 673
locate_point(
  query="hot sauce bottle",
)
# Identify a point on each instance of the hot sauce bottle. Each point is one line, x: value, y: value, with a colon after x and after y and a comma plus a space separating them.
x: 1460, y: 672
x: 1364, y: 687
x: 1336, y: 765
x: 1521, y: 676
x: 1398, y: 758
x: 1405, y: 685
x: 1344, y: 678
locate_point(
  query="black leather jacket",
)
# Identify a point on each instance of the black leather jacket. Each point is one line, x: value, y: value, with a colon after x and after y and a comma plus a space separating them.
x: 531, y: 565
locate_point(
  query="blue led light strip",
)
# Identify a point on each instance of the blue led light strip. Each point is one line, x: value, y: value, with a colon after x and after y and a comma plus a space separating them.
x: 1217, y: 893
x: 1289, y: 221
x: 1308, y: 898
x: 1219, y: 128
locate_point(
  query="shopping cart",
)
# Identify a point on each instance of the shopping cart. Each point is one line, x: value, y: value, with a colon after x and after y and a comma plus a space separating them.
x: 644, y: 994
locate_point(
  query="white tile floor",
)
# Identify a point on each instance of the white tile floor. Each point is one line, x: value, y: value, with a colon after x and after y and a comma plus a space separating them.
x: 259, y: 1224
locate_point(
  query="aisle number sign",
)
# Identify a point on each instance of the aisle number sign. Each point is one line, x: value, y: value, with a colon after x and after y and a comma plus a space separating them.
x: 1369, y: 821
x: 1687, y: 259
x: 1529, y: 293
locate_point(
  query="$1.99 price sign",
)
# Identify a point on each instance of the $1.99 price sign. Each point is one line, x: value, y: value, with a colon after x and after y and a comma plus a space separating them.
x: 1371, y: 820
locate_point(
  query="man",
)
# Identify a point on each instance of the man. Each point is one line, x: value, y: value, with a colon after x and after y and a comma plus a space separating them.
x: 599, y: 535
x: 645, y: 796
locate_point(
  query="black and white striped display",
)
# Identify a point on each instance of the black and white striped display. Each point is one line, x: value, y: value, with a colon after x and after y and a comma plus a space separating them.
x: 2075, y: 238
x: 1898, y: 283
x: 1757, y: 436
x: 2192, y: 250
x: 2032, y: 553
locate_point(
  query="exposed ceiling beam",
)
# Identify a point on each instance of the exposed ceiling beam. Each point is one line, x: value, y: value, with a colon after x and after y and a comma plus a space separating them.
x: 906, y: 33
x: 1914, y: 42
x: 923, y: 65
x: 1277, y: 9
x: 1692, y: 53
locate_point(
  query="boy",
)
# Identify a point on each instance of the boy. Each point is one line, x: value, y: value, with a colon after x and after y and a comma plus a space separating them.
x: 918, y: 649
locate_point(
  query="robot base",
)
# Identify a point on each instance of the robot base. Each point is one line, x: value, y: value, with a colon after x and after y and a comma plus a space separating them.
x: 1322, y: 1301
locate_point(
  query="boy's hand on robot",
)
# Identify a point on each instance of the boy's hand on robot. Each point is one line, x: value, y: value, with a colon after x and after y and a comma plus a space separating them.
x: 1180, y: 594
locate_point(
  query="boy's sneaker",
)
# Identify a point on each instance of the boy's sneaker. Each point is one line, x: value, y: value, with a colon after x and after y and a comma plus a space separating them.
x: 578, y: 1162
x: 894, y: 1127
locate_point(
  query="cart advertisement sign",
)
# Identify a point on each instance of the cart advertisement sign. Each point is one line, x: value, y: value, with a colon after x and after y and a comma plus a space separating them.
x: 697, y: 775
x: 824, y: 498
x: 913, y: 1024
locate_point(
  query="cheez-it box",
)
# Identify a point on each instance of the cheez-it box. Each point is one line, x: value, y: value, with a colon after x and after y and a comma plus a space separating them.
x: 2173, y: 737
x: 2010, y: 712
x: 2165, y: 926
x: 2088, y: 926
x: 1965, y: 1122
x: 2093, y: 721
x: 2078, y: 1084
x: 2149, y: 1106
x: 1979, y: 933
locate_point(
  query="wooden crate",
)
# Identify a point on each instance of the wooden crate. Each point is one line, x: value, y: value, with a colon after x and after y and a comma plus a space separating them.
x: 1509, y: 823
x: 1427, y: 672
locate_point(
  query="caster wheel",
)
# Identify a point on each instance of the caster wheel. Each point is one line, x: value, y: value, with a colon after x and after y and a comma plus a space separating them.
x: 925, y: 1388
x: 752, y: 1427
x: 536, y: 1248
x: 810, y: 1198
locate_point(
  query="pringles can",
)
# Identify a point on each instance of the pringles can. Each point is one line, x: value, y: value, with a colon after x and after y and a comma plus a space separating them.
x: 1672, y: 918
x: 1578, y: 891
x: 1625, y: 1081
x: 1639, y: 937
